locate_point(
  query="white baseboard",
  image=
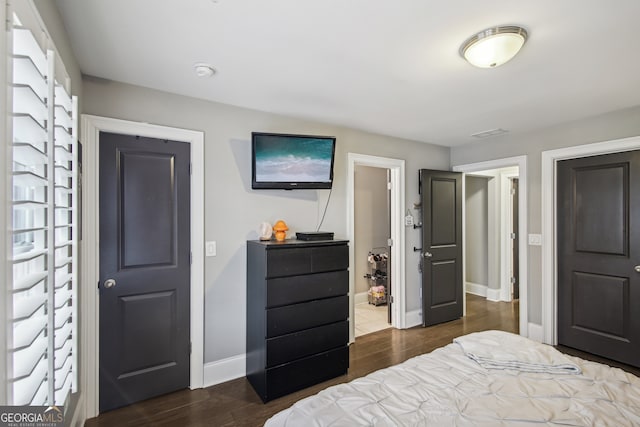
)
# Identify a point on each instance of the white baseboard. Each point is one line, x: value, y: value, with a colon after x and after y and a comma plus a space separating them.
x: 224, y: 370
x: 483, y: 291
x: 493, y: 294
x: 361, y: 298
x: 413, y: 318
x: 476, y: 289
x: 535, y: 332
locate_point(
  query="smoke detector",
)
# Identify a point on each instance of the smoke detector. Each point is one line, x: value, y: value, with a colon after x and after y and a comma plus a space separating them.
x: 204, y: 70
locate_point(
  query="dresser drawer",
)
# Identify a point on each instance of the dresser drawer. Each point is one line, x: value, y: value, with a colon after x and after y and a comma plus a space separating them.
x: 282, y: 262
x: 305, y: 372
x: 297, y: 317
x: 297, y: 345
x: 295, y: 289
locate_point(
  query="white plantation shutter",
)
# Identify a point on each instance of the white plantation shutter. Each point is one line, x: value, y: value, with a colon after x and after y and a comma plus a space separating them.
x: 42, y: 341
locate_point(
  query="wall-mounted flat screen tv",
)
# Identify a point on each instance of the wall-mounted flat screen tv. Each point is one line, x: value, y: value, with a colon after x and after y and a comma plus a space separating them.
x: 285, y: 161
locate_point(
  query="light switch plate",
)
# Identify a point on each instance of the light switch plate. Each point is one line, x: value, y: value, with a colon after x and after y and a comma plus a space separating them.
x: 535, y: 239
x: 210, y: 248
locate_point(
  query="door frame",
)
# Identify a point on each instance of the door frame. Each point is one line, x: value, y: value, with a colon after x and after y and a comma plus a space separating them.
x: 548, y: 188
x: 397, y: 199
x: 90, y: 298
x: 500, y: 217
x: 523, y: 220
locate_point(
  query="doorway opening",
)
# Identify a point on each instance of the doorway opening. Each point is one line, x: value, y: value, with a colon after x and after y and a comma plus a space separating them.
x: 393, y: 186
x: 372, y: 238
x: 491, y: 251
x: 494, y: 232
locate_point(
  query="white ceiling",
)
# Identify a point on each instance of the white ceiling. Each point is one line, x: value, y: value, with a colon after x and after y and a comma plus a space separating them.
x: 389, y: 67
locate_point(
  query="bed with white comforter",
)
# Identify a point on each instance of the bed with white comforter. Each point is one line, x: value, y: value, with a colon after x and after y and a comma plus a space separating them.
x: 489, y: 378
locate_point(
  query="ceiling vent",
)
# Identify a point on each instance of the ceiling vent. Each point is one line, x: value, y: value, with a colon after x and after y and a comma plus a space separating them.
x: 489, y: 133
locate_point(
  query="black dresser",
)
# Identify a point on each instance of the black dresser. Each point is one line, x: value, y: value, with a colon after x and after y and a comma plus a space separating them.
x: 297, y: 314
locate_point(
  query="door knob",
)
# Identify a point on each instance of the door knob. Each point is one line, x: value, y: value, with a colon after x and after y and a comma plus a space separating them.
x: 427, y: 254
x: 109, y: 283
x: 637, y: 268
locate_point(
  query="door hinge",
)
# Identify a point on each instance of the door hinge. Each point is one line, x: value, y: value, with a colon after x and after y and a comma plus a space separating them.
x: 390, y: 299
x: 389, y: 242
x: 190, y: 258
x: 190, y: 348
x: 389, y: 186
x: 513, y: 280
x: 190, y: 168
x: 513, y: 236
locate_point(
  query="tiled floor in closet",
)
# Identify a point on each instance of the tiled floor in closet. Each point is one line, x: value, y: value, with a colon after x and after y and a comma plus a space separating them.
x: 370, y: 318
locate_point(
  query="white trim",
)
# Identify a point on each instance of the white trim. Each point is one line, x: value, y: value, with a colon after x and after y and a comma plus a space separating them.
x: 548, y: 189
x: 361, y: 298
x: 225, y: 370
x: 506, y: 218
x: 484, y: 291
x: 91, y: 128
x: 413, y: 318
x: 521, y: 163
x: 535, y: 332
x: 397, y: 176
x: 493, y: 294
x: 476, y: 289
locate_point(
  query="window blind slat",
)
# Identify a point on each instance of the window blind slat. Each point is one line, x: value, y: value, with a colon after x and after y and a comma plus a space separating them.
x: 26, y: 361
x: 62, y: 117
x: 63, y: 353
x: 63, y: 334
x: 28, y: 154
x: 25, y: 72
x: 27, y: 389
x: 27, y: 129
x: 26, y: 307
x: 63, y: 392
x: 28, y: 281
x: 62, y: 316
x: 26, y: 101
x: 26, y: 331
x: 63, y: 99
x: 24, y: 44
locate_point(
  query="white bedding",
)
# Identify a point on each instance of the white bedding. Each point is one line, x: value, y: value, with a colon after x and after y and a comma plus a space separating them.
x: 447, y: 388
x: 503, y: 350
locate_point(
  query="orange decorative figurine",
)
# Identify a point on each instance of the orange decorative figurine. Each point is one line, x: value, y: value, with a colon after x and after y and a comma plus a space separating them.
x: 280, y: 228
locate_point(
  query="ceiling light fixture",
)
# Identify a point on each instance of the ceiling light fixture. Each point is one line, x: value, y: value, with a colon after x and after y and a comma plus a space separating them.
x: 204, y: 70
x: 494, y: 46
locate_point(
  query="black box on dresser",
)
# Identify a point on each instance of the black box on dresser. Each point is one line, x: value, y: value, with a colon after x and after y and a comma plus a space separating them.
x: 297, y: 314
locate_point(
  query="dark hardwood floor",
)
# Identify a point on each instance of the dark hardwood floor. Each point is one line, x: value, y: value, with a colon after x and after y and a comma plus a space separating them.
x: 234, y: 403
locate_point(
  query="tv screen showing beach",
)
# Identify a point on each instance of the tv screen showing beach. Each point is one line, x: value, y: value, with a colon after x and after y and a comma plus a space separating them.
x: 292, y: 159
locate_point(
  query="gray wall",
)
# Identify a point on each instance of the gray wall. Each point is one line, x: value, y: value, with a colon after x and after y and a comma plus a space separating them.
x: 233, y: 211
x: 614, y: 125
x: 476, y: 227
x: 372, y: 222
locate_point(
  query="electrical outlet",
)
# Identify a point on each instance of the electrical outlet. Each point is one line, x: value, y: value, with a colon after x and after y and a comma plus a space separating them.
x: 210, y: 249
x: 535, y: 239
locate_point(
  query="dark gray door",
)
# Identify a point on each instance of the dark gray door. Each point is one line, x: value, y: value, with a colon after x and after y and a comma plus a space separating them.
x: 442, y: 293
x: 144, y: 268
x: 599, y: 255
